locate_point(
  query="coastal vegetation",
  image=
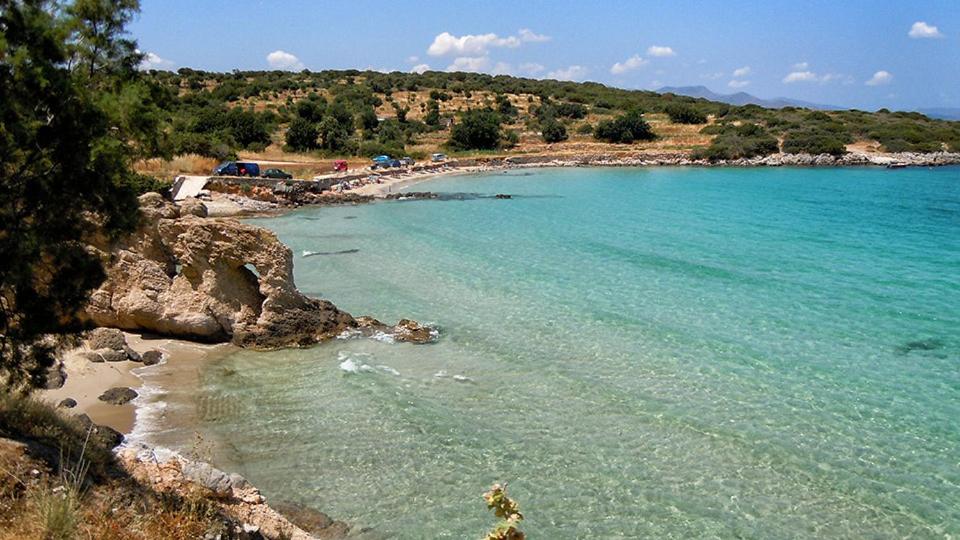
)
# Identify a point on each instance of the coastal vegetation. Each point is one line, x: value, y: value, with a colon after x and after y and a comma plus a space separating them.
x: 363, y: 113
x: 74, y: 115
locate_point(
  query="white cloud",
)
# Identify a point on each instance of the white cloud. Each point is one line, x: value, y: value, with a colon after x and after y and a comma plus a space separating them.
x: 476, y: 45
x: 801, y: 66
x: 570, y: 73
x: 800, y: 76
x: 529, y: 36
x: 737, y: 83
x: 420, y: 68
x: 531, y: 68
x: 413, y: 59
x: 629, y: 64
x: 284, y: 61
x: 660, y: 51
x: 153, y: 61
x: 741, y: 72
x: 921, y: 30
x: 810, y: 76
x: 470, y: 63
x: 880, y: 78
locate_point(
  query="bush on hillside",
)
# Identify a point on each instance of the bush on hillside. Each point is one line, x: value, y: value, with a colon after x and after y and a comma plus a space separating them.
x: 685, y: 114
x: 553, y: 131
x: 626, y: 129
x: 735, y: 142
x: 302, y: 135
x: 478, y: 129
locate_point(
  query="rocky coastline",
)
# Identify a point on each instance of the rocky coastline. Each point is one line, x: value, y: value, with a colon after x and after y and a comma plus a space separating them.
x: 187, y: 276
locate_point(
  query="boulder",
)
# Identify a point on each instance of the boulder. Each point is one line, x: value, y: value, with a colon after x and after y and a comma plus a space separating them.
x: 151, y: 357
x: 106, y: 338
x: 118, y: 395
x: 214, y: 280
x: 413, y: 332
x: 111, y: 355
x: 105, y: 433
x: 67, y: 403
x: 91, y: 356
x: 132, y: 355
x: 56, y: 376
x: 192, y: 206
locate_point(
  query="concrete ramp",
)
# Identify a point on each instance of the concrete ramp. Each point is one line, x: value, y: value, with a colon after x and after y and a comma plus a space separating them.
x: 188, y: 186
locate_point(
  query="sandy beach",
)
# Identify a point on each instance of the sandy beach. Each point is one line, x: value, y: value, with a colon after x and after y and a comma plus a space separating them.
x: 86, y: 380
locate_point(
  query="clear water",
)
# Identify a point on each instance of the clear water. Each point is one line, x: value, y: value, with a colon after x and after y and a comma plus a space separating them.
x: 639, y: 353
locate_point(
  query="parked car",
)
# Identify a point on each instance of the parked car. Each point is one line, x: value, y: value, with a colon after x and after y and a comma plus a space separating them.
x: 340, y: 165
x: 395, y: 163
x: 381, y: 162
x: 407, y: 161
x: 278, y: 174
x: 237, y: 168
x: 438, y: 157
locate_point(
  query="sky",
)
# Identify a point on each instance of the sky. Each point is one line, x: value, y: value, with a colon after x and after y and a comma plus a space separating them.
x: 902, y: 54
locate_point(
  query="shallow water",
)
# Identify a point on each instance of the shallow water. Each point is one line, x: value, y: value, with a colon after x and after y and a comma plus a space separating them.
x: 638, y: 352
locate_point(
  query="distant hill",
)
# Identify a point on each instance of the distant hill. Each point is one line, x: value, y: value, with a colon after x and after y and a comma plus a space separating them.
x: 942, y: 113
x: 743, y: 98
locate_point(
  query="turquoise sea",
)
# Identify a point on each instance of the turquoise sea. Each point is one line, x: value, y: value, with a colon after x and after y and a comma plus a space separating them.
x: 639, y: 353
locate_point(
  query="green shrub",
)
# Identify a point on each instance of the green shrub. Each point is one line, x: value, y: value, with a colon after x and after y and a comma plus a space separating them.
x: 585, y: 129
x: 553, y: 131
x: 478, y: 129
x: 302, y: 135
x: 814, y: 142
x: 735, y: 142
x: 685, y: 114
x: 626, y: 128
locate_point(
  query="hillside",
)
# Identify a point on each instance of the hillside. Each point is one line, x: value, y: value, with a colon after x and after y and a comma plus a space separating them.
x: 306, y: 119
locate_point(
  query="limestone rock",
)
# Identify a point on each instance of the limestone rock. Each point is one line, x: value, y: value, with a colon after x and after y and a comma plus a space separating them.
x: 192, y: 206
x: 67, y: 403
x: 111, y: 355
x: 118, y: 395
x: 213, y: 280
x: 209, y: 280
x: 56, y: 376
x: 106, y: 433
x: 151, y: 357
x: 413, y: 332
x: 91, y: 356
x: 106, y: 338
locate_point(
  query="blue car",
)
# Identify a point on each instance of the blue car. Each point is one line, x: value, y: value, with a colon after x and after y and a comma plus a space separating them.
x: 234, y: 168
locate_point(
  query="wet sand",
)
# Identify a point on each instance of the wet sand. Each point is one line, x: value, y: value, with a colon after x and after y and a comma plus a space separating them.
x: 86, y: 380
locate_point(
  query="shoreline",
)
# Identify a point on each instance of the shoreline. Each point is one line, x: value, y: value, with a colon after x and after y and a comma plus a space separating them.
x: 480, y: 165
x: 86, y: 381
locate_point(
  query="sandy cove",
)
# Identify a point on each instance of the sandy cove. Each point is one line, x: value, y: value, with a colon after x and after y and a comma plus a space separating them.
x: 86, y: 381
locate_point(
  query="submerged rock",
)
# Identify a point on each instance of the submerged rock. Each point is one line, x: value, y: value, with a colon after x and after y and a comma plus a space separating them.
x: 152, y: 357
x: 413, y: 332
x: 118, y: 395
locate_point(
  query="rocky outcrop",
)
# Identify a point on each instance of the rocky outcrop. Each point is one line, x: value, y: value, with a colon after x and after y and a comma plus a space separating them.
x: 166, y: 471
x: 109, y: 345
x: 119, y: 395
x: 211, y: 280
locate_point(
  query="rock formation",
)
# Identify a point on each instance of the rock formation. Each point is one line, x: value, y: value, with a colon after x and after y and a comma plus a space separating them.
x: 211, y: 280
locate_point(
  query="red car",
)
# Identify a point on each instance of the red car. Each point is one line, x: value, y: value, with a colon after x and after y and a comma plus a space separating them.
x: 340, y: 165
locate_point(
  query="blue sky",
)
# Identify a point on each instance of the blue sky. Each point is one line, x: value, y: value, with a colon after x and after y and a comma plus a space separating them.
x: 855, y: 53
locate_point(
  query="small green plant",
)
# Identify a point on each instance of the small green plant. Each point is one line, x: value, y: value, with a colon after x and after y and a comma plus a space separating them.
x: 59, y: 506
x: 507, y: 510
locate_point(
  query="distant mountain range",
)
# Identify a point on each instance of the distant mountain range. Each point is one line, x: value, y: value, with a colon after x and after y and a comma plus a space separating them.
x: 743, y: 98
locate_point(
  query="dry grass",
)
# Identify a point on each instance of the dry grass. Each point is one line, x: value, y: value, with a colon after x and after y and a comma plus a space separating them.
x: 64, y: 484
x: 185, y: 164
